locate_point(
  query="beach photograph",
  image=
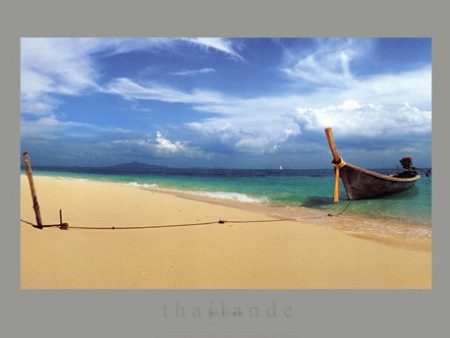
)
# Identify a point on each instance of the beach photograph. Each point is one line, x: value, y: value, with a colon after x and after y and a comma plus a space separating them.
x: 225, y: 163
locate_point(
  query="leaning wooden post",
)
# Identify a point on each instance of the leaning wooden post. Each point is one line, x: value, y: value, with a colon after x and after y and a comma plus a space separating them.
x: 336, y: 160
x: 330, y: 138
x: 37, y: 211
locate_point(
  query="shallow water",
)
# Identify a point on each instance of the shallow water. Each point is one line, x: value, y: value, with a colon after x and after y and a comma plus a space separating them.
x: 307, y: 188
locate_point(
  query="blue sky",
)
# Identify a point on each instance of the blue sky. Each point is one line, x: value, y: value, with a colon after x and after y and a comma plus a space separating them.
x: 219, y: 102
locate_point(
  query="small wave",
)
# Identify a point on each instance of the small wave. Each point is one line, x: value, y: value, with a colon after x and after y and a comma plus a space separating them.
x: 142, y: 185
x: 234, y: 196
x: 69, y: 178
x: 60, y: 177
x: 387, y: 228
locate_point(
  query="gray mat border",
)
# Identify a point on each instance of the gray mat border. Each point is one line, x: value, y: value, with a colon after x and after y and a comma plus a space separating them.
x: 139, y: 312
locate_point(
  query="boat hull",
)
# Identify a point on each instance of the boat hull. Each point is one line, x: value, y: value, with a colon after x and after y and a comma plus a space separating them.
x: 360, y: 183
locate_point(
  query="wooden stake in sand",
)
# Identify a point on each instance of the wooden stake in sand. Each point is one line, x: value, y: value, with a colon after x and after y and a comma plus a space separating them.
x: 37, y: 211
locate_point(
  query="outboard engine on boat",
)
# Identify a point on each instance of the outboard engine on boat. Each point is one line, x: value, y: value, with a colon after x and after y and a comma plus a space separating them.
x: 408, y: 169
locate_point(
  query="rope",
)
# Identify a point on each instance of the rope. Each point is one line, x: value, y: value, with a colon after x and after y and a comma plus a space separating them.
x: 220, y: 221
x: 342, y: 211
x: 339, y: 165
x: 144, y: 226
x: 22, y: 220
x: 266, y: 220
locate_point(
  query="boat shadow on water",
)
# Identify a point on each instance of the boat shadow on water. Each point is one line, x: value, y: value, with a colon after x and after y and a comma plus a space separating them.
x: 410, y: 193
x: 317, y: 201
x: 323, y: 201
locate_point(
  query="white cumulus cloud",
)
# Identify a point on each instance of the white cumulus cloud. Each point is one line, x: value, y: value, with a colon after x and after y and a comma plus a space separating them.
x: 352, y: 118
x: 165, y: 146
x: 388, y: 103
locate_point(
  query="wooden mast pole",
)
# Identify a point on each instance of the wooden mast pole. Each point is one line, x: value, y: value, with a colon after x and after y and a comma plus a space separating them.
x: 336, y: 160
x: 330, y: 138
x: 36, y: 208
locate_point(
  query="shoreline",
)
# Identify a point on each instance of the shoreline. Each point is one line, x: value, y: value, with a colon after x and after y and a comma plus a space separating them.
x: 379, y: 229
x: 392, y: 231
x: 228, y: 197
x: 344, y: 260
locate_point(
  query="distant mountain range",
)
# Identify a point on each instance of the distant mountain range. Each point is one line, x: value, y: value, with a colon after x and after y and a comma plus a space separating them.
x: 135, y: 165
x: 145, y: 168
x: 129, y: 167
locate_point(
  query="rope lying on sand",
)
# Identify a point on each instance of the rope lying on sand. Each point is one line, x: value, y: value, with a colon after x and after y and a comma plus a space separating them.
x: 342, y: 211
x: 220, y: 221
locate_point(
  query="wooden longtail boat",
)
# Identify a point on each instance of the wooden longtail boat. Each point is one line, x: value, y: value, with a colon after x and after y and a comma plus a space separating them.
x: 361, y: 183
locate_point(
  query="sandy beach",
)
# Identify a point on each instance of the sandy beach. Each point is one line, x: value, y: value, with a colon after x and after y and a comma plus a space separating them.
x: 269, y: 255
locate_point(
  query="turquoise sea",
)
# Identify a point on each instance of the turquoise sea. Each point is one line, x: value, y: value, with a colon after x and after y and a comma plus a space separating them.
x: 308, y: 188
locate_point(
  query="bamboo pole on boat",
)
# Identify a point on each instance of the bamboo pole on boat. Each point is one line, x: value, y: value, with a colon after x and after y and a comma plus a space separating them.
x: 330, y: 138
x: 36, y: 208
x: 336, y: 186
x: 336, y: 160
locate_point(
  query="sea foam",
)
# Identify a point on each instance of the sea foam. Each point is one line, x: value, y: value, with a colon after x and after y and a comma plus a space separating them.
x: 234, y: 196
x: 143, y: 185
